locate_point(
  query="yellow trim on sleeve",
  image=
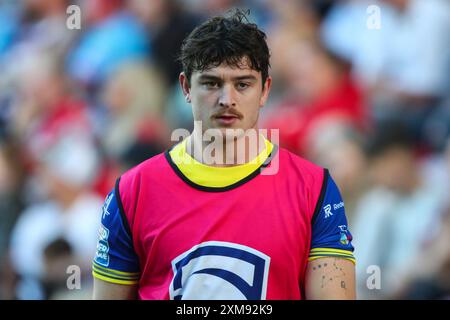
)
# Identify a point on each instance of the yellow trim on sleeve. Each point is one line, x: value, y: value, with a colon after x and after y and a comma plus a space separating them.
x: 119, y: 273
x: 331, y: 250
x: 114, y: 275
x: 107, y: 279
x: 317, y: 253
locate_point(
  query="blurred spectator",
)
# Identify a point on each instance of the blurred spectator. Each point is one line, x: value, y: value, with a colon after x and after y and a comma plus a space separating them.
x: 341, y: 150
x: 319, y: 90
x: 436, y: 127
x: 71, y: 211
x: 9, y: 16
x: 45, y: 108
x: 113, y: 36
x: 429, y: 275
x: 11, y: 182
x: 293, y: 23
x: 135, y: 99
x: 322, y: 7
x: 57, y: 256
x: 397, y: 214
x: 8, y: 279
x: 405, y: 63
x: 29, y: 28
x: 380, y: 55
x: 212, y: 7
x: 42, y: 27
x: 167, y: 23
x: 47, y: 29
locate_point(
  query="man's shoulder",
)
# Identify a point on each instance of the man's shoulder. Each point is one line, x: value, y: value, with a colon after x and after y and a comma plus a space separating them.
x: 138, y: 179
x: 149, y: 167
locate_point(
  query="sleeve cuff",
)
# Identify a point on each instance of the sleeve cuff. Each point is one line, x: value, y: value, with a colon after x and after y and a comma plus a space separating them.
x: 114, y: 276
x: 317, y: 253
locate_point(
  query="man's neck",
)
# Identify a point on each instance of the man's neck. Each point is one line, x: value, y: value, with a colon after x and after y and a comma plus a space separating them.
x: 226, y: 152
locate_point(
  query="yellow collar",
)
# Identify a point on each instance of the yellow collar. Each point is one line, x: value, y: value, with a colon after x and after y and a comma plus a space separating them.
x: 215, y: 177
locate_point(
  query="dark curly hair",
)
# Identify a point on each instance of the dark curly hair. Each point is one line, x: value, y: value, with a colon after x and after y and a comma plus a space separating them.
x: 225, y: 39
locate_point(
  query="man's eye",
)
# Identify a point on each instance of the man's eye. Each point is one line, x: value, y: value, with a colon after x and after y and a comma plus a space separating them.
x: 211, y: 84
x: 242, y: 85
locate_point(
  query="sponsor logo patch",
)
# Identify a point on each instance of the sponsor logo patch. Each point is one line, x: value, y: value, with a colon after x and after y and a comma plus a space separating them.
x: 216, y: 270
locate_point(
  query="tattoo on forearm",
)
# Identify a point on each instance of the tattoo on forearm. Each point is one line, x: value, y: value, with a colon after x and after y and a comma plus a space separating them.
x: 332, y: 273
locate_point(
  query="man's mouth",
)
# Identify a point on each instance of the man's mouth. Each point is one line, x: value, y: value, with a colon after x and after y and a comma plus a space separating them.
x: 227, y: 119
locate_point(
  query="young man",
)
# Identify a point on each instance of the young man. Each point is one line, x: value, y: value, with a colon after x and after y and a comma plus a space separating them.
x: 191, y: 224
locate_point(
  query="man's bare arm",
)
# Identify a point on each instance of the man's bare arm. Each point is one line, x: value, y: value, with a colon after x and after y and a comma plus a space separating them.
x: 104, y: 290
x: 330, y: 278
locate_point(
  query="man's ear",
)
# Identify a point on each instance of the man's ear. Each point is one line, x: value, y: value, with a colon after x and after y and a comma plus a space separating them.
x: 184, y: 83
x: 265, y: 92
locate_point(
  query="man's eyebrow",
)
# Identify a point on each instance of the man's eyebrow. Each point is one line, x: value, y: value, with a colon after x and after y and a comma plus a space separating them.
x: 217, y: 78
x: 246, y: 77
x: 209, y: 77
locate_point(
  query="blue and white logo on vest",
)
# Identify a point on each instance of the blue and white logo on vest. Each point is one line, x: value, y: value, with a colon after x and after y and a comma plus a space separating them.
x: 216, y: 270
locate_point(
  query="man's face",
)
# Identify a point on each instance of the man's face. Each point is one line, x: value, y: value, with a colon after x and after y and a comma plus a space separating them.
x: 226, y: 97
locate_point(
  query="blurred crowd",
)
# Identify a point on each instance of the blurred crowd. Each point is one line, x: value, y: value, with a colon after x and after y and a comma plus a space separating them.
x: 362, y: 90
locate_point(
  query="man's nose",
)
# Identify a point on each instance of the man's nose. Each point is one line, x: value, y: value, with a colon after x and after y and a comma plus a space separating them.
x: 227, y: 97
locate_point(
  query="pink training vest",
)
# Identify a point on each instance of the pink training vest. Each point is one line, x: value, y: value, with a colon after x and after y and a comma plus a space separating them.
x: 267, y: 219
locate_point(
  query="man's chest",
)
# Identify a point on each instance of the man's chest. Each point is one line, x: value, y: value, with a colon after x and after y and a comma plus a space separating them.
x: 241, y: 234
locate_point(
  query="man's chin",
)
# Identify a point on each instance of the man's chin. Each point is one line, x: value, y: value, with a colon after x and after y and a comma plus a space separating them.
x: 230, y: 134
